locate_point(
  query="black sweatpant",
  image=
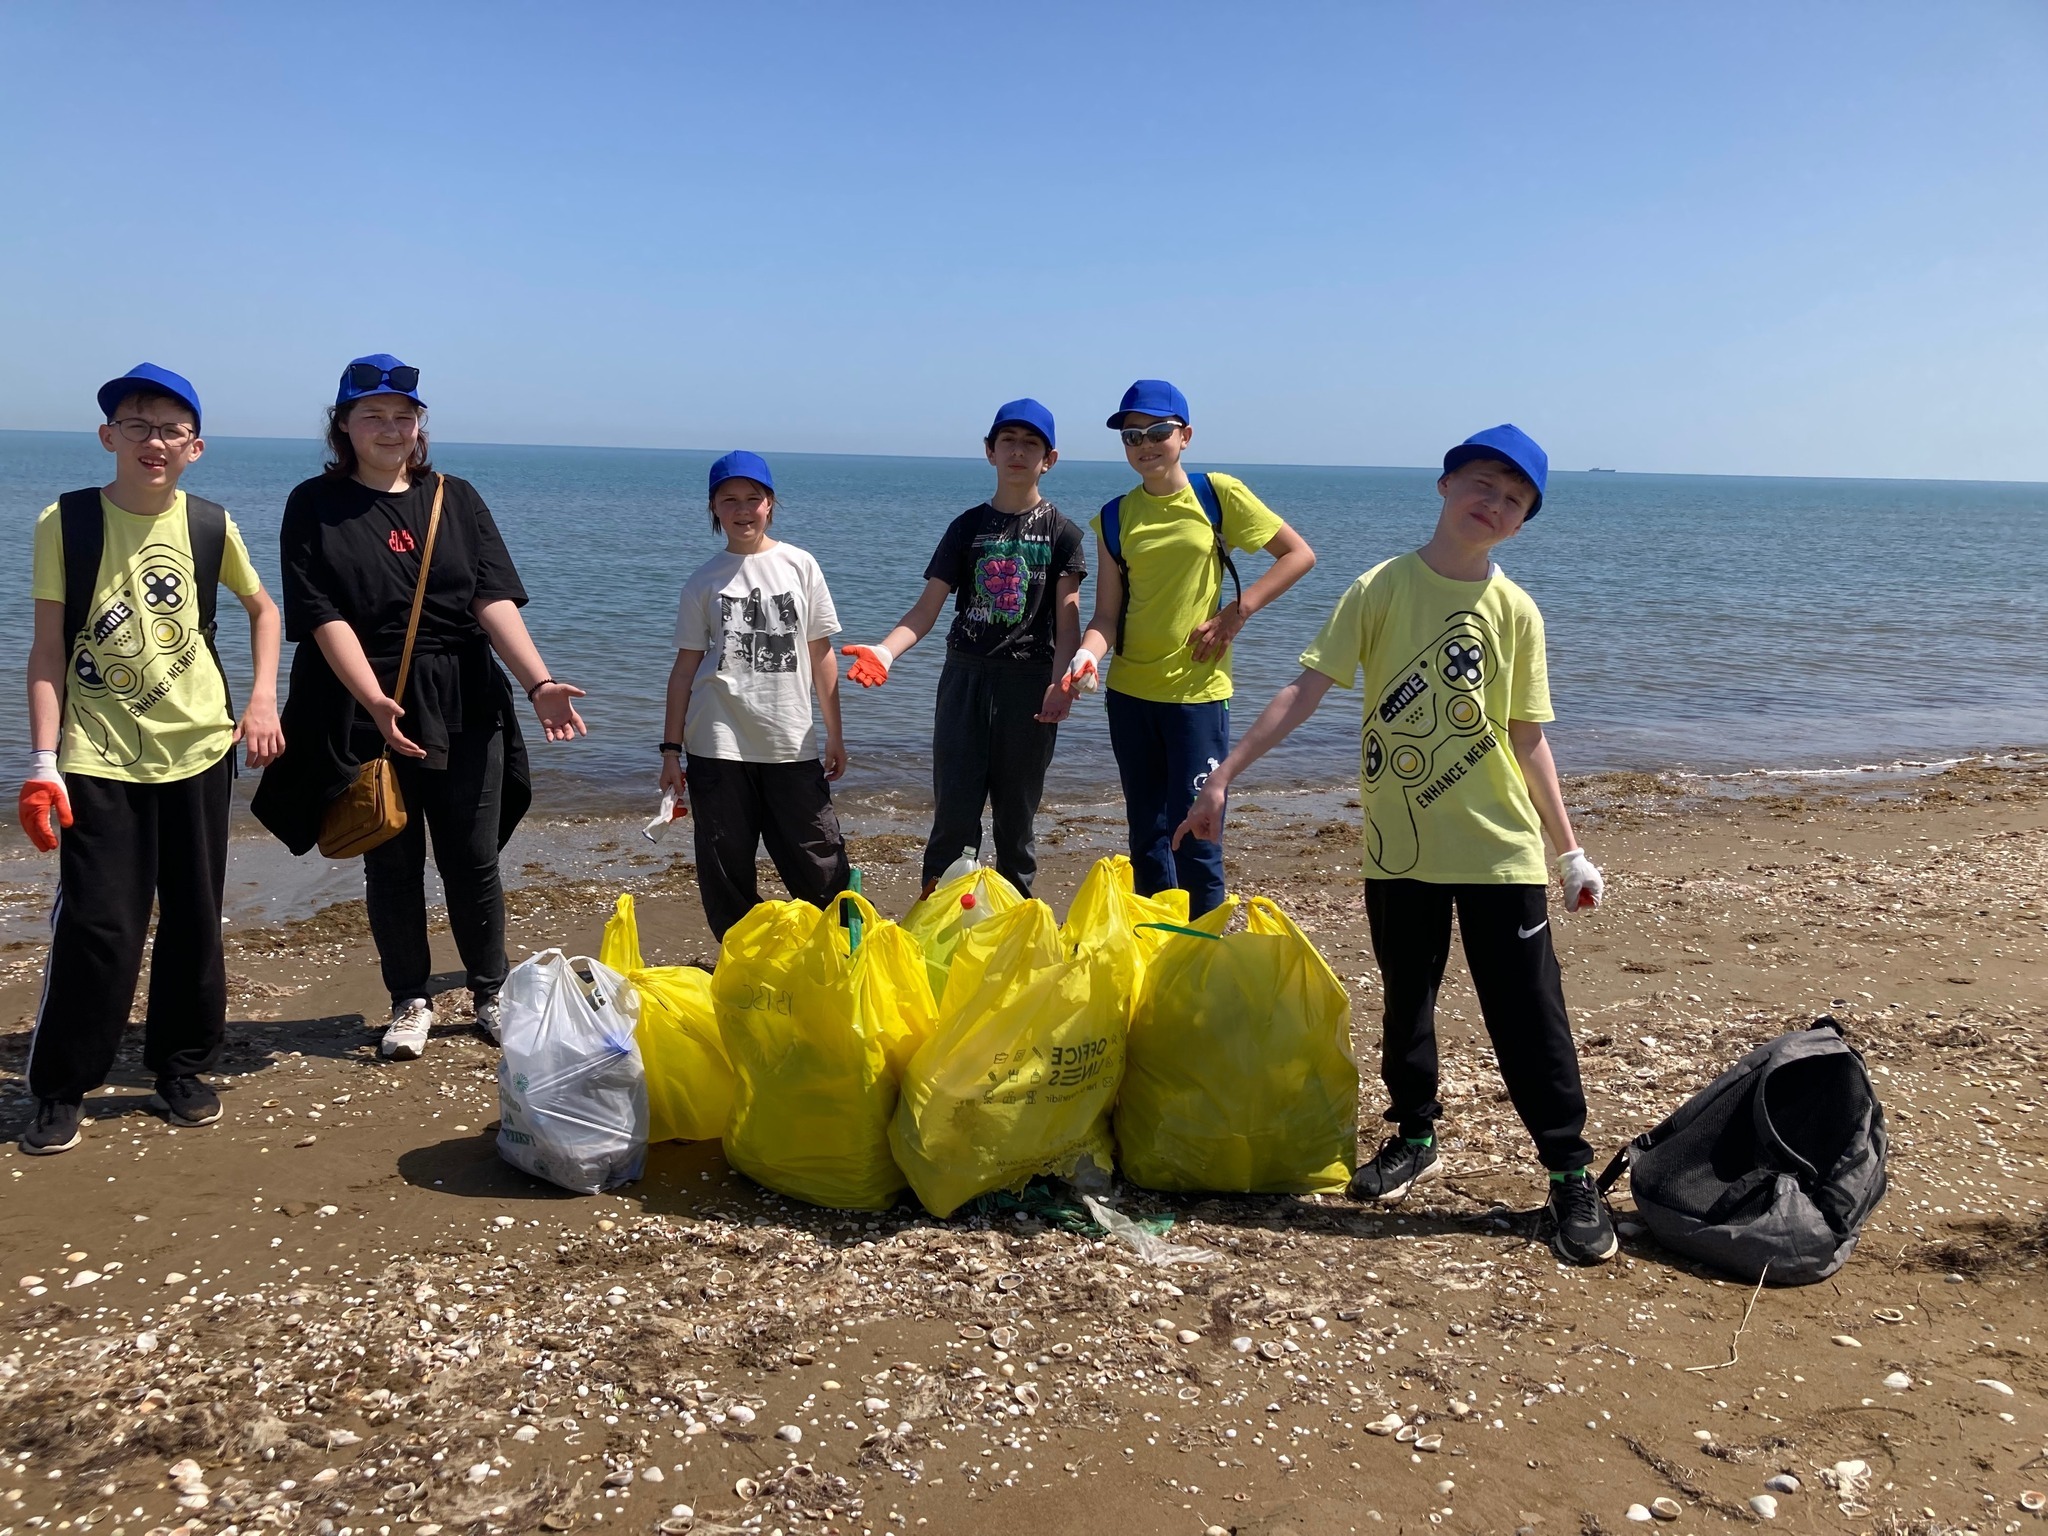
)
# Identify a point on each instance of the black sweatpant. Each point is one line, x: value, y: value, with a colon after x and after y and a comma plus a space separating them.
x: 1506, y: 932
x: 126, y: 844
x: 989, y: 748
x: 739, y: 806
x: 459, y: 806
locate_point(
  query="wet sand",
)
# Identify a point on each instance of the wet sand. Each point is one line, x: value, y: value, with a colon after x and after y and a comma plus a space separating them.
x: 352, y: 1317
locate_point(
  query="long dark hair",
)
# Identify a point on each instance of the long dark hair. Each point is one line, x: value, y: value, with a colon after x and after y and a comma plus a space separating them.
x: 342, y: 453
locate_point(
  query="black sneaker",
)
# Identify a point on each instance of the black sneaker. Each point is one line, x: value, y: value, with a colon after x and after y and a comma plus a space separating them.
x: 1580, y: 1232
x: 186, y: 1101
x: 1398, y: 1167
x: 54, y: 1129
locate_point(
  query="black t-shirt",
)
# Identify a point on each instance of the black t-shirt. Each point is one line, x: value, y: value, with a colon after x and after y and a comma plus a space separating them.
x: 353, y: 554
x: 1003, y: 568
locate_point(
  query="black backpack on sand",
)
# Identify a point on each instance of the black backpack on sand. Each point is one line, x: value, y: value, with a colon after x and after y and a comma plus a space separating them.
x: 1771, y: 1170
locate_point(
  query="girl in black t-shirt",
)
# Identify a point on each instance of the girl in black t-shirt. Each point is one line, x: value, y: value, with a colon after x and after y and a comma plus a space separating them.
x: 352, y: 541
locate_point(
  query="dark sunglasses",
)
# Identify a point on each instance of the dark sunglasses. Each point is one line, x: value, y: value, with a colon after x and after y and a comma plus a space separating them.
x: 1158, y: 432
x: 364, y: 377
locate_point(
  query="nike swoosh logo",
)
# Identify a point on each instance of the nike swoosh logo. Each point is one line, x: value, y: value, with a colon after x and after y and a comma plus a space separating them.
x: 1530, y: 933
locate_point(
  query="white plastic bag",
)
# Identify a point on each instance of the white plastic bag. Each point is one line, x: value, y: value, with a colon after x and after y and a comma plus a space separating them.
x: 572, y: 1096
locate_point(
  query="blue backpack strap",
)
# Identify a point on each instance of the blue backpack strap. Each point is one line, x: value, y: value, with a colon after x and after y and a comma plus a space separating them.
x: 1205, y: 493
x: 1113, y: 541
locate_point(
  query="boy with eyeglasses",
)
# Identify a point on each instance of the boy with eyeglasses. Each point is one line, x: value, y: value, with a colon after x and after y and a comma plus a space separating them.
x: 1016, y: 565
x: 1163, y: 550
x: 132, y: 754
x: 1459, y: 791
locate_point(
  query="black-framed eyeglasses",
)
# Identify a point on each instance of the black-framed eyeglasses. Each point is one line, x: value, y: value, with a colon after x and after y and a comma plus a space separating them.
x: 1158, y: 432
x: 174, y: 434
x: 364, y: 377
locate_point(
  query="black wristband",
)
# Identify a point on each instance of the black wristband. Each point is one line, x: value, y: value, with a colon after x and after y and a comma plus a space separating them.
x: 672, y: 746
x: 536, y: 688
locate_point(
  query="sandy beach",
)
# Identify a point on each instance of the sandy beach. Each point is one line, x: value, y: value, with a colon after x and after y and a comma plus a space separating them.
x: 353, y: 1318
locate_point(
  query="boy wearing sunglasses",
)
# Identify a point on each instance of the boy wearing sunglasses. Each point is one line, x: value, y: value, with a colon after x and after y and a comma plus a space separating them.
x: 1459, y: 792
x: 1163, y: 553
x: 132, y: 755
x: 1016, y: 564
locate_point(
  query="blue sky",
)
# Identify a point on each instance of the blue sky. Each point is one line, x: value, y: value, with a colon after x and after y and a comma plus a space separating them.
x: 1727, y: 238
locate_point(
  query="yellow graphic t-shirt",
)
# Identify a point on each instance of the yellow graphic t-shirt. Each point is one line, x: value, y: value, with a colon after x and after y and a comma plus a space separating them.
x: 143, y: 700
x: 1447, y: 665
x: 1175, y: 579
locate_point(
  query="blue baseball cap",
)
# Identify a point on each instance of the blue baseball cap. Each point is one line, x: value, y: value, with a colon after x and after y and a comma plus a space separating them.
x: 356, y: 383
x: 1025, y: 413
x: 1151, y: 397
x: 741, y: 465
x: 148, y: 376
x: 1511, y: 445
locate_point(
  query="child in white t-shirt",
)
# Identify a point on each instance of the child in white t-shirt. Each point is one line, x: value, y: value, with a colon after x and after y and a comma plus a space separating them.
x: 753, y: 646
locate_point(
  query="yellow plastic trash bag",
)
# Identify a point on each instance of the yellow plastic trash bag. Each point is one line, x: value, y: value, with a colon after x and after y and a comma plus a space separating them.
x: 1239, y: 1073
x: 1020, y: 1075
x: 689, y: 1081
x: 937, y: 921
x: 1107, y: 913
x: 818, y: 1038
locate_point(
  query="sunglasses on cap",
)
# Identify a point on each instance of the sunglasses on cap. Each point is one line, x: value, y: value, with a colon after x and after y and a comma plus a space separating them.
x: 1158, y: 432
x: 364, y: 377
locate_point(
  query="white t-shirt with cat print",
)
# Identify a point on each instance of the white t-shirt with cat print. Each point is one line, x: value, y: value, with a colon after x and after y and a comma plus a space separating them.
x: 754, y: 618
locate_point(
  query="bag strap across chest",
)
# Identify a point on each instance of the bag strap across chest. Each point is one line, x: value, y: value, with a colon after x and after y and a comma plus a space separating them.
x: 419, y: 591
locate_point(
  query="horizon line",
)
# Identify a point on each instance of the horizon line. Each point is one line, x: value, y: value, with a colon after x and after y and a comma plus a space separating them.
x: 968, y: 459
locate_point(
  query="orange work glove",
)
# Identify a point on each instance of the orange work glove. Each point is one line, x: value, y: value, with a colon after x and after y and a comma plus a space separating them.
x: 871, y: 664
x: 41, y: 793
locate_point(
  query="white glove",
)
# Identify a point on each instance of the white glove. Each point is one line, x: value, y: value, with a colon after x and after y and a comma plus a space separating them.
x: 671, y: 810
x: 1583, y: 886
x: 1083, y: 672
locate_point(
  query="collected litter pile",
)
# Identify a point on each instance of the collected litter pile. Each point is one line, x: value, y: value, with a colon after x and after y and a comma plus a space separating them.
x: 967, y: 1050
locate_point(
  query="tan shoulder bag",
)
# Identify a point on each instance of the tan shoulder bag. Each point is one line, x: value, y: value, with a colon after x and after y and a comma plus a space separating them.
x: 371, y: 810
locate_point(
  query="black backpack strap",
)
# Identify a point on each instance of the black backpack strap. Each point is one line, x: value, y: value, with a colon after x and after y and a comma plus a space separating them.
x: 1612, y: 1172
x: 206, y: 528
x: 84, y: 526
x: 206, y: 525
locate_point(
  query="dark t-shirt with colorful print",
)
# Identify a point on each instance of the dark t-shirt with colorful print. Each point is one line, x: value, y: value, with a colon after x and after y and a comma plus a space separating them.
x: 1003, y: 568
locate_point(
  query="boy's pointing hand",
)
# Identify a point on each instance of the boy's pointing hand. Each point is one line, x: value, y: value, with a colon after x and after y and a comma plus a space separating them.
x: 1205, y: 817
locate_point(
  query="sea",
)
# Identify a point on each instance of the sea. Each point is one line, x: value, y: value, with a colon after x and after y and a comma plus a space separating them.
x: 1710, y: 625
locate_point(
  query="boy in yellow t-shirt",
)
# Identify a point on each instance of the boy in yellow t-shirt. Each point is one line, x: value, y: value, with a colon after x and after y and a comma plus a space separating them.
x: 1459, y: 790
x: 1162, y: 551
x: 132, y: 754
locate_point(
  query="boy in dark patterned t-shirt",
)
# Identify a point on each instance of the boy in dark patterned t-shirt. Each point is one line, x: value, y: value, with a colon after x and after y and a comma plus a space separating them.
x: 1016, y: 566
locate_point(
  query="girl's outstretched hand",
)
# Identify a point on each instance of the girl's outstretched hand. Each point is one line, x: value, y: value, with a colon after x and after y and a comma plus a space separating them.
x: 558, y: 718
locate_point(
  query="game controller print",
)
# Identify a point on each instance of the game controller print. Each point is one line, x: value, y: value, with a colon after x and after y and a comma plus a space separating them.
x: 137, y: 642
x: 163, y: 591
x: 1421, y: 736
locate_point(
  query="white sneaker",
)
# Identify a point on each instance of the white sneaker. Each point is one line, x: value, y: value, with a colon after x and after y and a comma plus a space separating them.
x: 484, y: 1014
x: 406, y: 1037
